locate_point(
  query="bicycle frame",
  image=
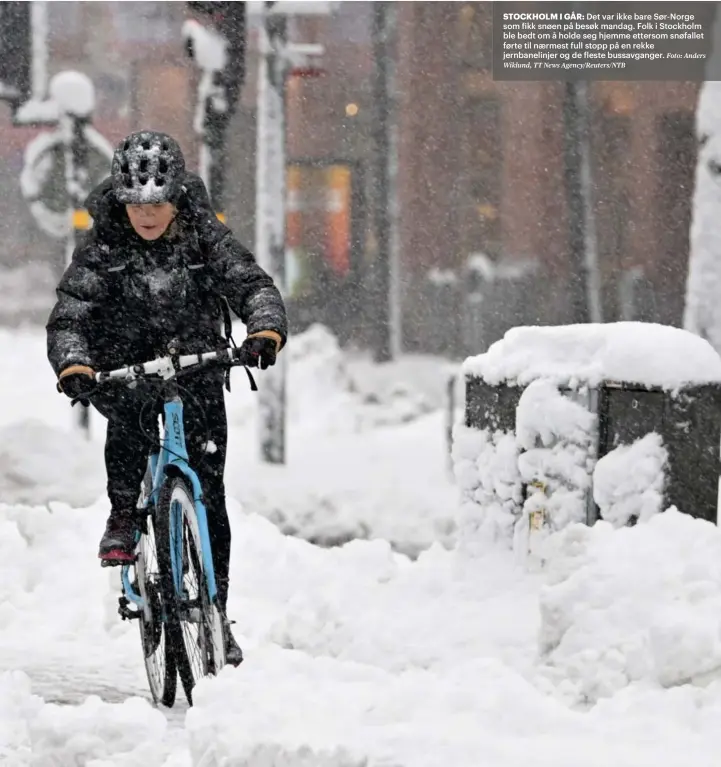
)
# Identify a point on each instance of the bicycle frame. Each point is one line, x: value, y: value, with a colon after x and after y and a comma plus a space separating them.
x: 173, y: 459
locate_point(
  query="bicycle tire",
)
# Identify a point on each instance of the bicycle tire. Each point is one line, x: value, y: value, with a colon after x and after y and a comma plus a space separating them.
x: 177, y: 499
x: 162, y: 674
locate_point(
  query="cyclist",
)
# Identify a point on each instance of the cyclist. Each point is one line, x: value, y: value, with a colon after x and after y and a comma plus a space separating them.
x: 157, y: 266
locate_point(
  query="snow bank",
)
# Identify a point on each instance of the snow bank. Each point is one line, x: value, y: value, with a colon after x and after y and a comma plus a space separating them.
x: 363, y: 603
x: 355, y: 715
x: 628, y: 482
x: 642, y: 353
x: 297, y: 711
x: 359, y: 656
x: 95, y: 733
x: 352, y: 439
x: 345, y: 397
x: 639, y: 604
x: 26, y: 293
x: 39, y: 464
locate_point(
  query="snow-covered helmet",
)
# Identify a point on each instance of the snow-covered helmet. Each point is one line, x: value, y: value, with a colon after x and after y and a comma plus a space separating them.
x: 148, y: 167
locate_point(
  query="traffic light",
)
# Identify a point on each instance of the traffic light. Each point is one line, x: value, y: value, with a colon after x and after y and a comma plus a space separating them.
x: 15, y: 52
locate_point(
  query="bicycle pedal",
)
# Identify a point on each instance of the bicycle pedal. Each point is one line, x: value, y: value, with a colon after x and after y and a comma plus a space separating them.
x: 124, y: 610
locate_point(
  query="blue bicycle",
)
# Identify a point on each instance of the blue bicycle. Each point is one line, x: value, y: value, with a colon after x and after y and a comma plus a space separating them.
x: 170, y: 587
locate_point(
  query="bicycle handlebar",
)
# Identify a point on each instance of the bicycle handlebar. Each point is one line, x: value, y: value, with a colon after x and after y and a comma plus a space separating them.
x: 169, y: 366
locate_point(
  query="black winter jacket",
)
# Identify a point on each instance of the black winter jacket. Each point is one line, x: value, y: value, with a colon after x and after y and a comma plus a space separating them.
x: 122, y: 299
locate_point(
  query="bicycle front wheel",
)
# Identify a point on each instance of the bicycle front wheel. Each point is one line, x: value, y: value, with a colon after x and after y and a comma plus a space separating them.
x: 193, y: 623
x: 157, y: 655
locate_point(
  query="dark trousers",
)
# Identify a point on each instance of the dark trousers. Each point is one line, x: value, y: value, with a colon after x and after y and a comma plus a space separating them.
x: 130, y: 413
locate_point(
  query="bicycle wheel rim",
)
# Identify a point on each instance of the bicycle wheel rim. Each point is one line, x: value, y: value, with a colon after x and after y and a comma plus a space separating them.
x: 157, y: 657
x: 195, y: 624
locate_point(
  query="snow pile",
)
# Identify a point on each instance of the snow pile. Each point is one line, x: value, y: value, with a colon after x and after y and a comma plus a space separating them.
x: 628, y: 482
x: 364, y: 604
x: 635, y: 352
x: 485, y: 464
x: 95, y: 733
x: 359, y: 656
x: 339, y: 399
x: 703, y: 287
x: 26, y: 293
x: 351, y: 715
x: 640, y: 603
x: 344, y: 476
x: 39, y: 464
x: 557, y: 437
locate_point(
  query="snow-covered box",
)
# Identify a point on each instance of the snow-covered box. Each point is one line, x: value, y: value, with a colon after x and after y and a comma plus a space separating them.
x: 572, y: 423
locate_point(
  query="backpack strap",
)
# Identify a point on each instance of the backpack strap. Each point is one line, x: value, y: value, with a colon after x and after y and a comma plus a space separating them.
x: 228, y: 328
x: 227, y: 318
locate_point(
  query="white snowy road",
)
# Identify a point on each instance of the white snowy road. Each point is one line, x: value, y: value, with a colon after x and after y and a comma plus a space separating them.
x: 355, y: 656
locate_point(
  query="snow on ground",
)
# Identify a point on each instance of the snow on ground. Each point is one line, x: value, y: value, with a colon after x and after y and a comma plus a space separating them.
x: 354, y: 443
x: 358, y: 655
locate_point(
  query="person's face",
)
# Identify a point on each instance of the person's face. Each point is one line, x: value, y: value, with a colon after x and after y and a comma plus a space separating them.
x: 150, y: 220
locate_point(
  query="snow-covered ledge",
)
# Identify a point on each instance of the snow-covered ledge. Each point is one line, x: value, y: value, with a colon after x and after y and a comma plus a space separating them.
x: 576, y: 355
x: 552, y: 450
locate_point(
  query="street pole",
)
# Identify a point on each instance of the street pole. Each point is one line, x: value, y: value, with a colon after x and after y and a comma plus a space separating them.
x: 585, y: 278
x: 590, y: 241
x: 387, y: 306
x: 270, y: 215
x: 75, y: 96
x: 586, y: 284
x: 278, y: 57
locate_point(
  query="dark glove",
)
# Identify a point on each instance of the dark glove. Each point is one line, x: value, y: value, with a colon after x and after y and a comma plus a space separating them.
x: 76, y: 380
x: 260, y: 351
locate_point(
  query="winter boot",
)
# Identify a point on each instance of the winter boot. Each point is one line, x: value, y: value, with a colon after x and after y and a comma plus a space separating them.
x: 233, y: 653
x: 117, y: 546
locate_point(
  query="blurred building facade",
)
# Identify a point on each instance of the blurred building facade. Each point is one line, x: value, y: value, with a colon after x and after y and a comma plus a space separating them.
x: 483, y: 228
x: 481, y: 177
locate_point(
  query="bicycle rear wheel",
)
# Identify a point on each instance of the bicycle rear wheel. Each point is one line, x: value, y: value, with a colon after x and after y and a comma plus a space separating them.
x: 157, y: 655
x: 194, y: 624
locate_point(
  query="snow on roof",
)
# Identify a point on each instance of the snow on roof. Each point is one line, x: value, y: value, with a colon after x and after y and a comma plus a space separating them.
x: 643, y: 353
